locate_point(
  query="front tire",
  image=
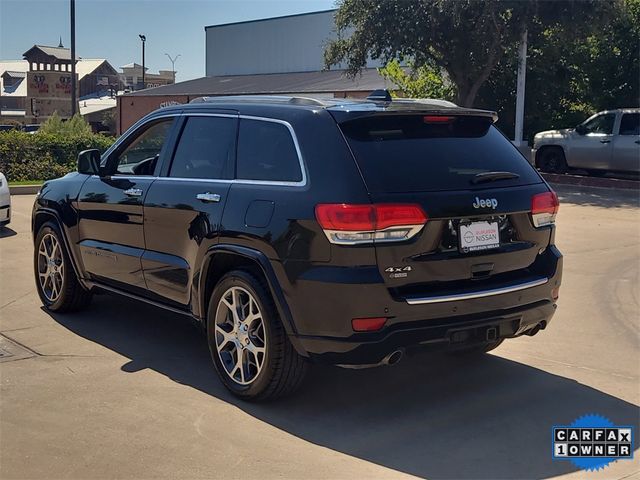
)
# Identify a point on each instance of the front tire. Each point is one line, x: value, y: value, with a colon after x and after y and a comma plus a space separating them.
x: 56, y: 281
x: 247, y: 341
x: 552, y: 160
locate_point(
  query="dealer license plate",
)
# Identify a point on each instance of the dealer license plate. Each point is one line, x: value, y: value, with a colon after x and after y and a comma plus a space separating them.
x: 477, y: 236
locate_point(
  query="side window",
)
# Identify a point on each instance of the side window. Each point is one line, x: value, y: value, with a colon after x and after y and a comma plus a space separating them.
x: 630, y: 124
x: 141, y: 155
x: 266, y: 152
x: 206, y: 148
x: 601, y: 125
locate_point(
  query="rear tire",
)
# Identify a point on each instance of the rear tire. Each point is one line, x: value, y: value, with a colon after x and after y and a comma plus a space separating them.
x: 56, y: 281
x: 552, y: 160
x: 249, y: 348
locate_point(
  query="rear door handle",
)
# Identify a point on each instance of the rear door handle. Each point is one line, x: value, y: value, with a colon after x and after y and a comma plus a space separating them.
x: 208, y: 197
x: 605, y: 141
x: 133, y: 192
x: 637, y: 141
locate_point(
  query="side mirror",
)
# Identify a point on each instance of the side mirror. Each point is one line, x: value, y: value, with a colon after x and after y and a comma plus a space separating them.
x: 89, y: 162
x: 581, y: 129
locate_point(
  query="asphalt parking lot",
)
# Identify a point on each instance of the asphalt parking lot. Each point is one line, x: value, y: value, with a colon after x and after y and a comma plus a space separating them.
x: 127, y: 391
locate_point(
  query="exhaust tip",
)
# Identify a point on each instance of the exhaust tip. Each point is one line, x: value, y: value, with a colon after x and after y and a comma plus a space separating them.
x: 536, y: 329
x: 393, y: 358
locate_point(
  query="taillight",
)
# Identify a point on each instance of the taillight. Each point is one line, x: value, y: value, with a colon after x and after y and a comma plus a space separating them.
x: 384, y: 222
x: 544, y: 207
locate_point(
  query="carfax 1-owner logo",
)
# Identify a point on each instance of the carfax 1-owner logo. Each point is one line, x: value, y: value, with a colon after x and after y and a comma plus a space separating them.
x: 592, y: 442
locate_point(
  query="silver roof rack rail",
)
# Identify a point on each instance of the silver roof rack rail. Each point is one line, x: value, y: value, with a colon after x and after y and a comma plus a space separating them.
x: 282, y: 99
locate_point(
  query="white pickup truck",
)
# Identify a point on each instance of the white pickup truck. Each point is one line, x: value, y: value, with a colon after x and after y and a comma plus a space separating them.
x: 608, y: 141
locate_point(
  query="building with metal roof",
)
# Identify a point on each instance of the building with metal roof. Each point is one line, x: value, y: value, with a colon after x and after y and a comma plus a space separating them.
x: 271, y: 56
x: 330, y: 82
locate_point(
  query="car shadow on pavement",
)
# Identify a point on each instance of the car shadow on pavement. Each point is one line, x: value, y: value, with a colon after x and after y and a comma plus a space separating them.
x: 7, y: 232
x: 597, y: 197
x: 430, y: 416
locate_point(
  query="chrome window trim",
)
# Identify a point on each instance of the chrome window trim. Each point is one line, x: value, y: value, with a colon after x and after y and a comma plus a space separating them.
x: 131, y: 130
x: 241, y: 181
x: 244, y: 181
x: 128, y: 177
x: 479, y: 294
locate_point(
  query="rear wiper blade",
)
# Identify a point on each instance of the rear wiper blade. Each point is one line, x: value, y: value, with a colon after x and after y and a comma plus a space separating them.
x: 493, y: 176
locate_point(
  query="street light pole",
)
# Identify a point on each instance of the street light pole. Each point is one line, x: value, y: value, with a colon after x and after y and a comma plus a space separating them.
x: 173, y: 64
x: 520, y: 89
x: 143, y: 38
x: 74, y: 102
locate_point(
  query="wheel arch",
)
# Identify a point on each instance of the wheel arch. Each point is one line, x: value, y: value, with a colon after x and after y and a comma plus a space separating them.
x: 46, y: 215
x: 221, y: 259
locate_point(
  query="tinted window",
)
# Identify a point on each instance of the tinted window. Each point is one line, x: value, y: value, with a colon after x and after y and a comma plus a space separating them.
x: 630, y: 124
x: 205, y: 149
x: 602, y: 124
x: 266, y: 152
x: 141, y: 155
x: 408, y: 153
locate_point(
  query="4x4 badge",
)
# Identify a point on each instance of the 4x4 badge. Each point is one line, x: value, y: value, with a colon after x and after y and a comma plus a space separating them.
x: 398, y: 272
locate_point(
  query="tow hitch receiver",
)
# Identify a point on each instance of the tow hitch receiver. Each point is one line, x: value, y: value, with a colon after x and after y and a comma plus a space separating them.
x: 491, y: 334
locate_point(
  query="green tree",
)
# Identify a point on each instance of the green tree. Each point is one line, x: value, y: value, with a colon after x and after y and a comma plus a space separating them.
x: 567, y: 81
x: 75, y: 126
x: 426, y: 81
x: 464, y: 38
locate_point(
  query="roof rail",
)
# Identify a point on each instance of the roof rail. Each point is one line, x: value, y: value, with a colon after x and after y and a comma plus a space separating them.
x: 283, y: 99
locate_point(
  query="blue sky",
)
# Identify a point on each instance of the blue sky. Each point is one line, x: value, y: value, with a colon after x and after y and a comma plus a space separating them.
x: 109, y: 28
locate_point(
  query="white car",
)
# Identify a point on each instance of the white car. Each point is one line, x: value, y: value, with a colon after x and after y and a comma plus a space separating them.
x: 5, y: 201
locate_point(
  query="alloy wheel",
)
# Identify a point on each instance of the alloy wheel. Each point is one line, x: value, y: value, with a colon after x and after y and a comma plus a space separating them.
x: 50, y: 267
x: 240, y: 335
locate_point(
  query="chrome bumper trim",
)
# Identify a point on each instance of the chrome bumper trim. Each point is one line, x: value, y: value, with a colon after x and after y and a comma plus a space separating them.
x: 479, y: 294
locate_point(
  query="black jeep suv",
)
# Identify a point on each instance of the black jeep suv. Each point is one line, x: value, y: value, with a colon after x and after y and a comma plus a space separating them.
x: 294, y: 230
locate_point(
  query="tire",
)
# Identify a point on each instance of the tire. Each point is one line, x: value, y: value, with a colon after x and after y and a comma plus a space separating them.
x: 552, y: 160
x: 477, y: 349
x: 56, y: 281
x: 253, y: 358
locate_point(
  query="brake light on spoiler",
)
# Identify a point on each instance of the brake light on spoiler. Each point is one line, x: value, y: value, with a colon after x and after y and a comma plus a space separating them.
x: 544, y: 207
x: 348, y: 224
x: 438, y: 119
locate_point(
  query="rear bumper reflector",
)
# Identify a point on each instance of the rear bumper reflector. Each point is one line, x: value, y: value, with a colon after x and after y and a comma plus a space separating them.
x: 477, y: 294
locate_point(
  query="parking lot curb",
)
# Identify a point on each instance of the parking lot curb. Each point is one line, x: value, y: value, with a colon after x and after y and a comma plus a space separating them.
x: 584, y: 181
x: 24, y: 189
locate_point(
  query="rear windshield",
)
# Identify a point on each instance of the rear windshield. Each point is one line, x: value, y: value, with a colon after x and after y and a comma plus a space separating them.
x: 411, y: 153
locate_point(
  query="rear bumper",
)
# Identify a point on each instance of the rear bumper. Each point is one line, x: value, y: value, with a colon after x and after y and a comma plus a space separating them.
x: 437, y: 320
x: 445, y: 334
x: 5, y: 214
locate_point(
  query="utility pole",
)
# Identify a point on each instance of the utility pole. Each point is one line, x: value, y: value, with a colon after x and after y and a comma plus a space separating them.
x: 522, y: 74
x: 143, y: 38
x: 173, y: 64
x: 74, y: 101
